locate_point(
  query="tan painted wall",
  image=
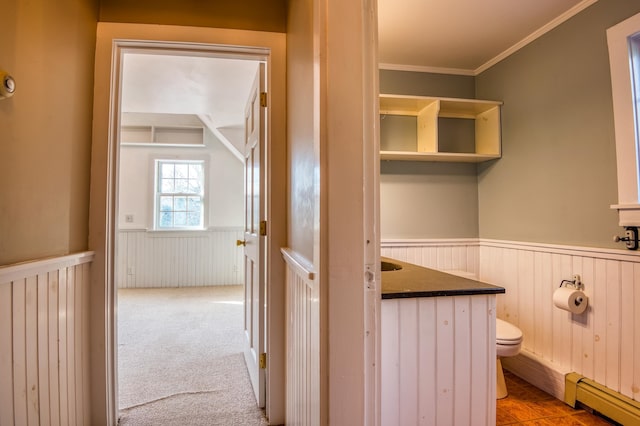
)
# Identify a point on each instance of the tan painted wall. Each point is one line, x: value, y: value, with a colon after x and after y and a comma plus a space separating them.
x: 45, y: 136
x: 557, y: 177
x: 301, y: 130
x: 258, y: 15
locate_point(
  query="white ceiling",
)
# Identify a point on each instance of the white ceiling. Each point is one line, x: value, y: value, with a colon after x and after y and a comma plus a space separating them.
x: 454, y: 36
x: 214, y: 87
x: 463, y: 36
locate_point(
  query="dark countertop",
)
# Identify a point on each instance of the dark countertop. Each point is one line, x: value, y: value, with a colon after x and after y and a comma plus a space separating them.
x: 417, y: 281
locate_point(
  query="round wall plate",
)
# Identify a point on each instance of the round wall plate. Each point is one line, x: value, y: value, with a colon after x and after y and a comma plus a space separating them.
x: 8, y: 86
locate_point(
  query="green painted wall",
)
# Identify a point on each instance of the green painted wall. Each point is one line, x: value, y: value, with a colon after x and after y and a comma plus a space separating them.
x: 557, y: 177
x: 423, y: 199
x: 426, y: 84
x: 428, y: 200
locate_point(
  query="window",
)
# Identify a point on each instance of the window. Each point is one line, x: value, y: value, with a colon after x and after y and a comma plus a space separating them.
x: 634, y: 53
x: 624, y: 58
x: 179, y: 195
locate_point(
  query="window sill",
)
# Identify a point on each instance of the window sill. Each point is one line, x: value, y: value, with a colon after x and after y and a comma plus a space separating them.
x: 177, y: 230
x: 162, y: 145
x: 185, y: 231
x: 629, y: 214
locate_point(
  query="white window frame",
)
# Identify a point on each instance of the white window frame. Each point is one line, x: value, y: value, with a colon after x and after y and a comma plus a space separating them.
x: 156, y: 192
x: 624, y: 110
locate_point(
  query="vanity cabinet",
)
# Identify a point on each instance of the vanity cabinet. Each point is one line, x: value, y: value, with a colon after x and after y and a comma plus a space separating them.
x: 438, y: 348
x: 421, y: 128
x: 438, y: 361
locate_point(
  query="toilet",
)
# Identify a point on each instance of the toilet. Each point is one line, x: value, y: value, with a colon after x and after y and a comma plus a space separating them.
x: 508, y: 342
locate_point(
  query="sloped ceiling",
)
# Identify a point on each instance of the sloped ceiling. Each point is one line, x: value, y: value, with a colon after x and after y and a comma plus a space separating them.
x: 188, y: 85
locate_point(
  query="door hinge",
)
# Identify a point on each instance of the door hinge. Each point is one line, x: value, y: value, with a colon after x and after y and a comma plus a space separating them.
x: 263, y: 360
x: 263, y: 99
x: 263, y: 227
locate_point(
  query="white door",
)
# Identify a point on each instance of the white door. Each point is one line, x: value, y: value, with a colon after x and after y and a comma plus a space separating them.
x: 254, y: 239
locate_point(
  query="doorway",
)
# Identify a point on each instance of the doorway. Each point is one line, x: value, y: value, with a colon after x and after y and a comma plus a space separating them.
x: 112, y: 40
x: 180, y: 133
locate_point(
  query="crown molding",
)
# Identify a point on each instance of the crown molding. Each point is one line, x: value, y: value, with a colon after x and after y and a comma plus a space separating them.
x: 419, y: 68
x: 535, y: 35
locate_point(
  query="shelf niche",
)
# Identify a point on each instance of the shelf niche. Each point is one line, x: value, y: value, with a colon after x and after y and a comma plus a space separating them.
x: 418, y: 128
x: 161, y: 129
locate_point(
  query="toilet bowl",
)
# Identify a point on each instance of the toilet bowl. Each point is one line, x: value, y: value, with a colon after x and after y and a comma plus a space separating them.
x: 508, y: 343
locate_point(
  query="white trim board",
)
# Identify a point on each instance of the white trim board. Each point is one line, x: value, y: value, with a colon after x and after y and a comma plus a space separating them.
x: 421, y: 242
x: 298, y: 263
x: 604, y: 253
x: 42, y: 266
x: 538, y: 372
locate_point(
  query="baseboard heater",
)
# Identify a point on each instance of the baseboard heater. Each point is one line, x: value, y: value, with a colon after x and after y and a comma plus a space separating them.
x: 617, y: 407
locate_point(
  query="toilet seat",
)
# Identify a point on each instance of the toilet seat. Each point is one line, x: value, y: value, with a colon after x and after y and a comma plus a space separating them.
x: 508, y: 341
x: 507, y: 334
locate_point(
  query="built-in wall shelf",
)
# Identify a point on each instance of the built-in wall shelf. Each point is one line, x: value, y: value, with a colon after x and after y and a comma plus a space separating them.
x: 450, y: 157
x: 421, y: 128
x: 139, y: 128
x: 164, y: 135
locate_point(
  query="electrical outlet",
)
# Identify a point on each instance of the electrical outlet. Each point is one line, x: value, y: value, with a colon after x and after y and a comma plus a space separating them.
x: 128, y: 218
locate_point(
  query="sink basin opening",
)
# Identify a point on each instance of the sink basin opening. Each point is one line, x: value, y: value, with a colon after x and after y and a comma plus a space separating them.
x: 389, y: 266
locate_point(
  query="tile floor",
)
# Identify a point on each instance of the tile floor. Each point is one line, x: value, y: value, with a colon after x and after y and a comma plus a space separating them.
x: 528, y: 405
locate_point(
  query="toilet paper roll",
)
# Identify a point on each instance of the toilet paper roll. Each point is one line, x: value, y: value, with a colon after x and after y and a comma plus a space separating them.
x: 570, y: 299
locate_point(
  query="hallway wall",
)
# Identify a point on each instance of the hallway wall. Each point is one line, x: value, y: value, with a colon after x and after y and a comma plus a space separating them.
x: 45, y: 144
x: 44, y: 342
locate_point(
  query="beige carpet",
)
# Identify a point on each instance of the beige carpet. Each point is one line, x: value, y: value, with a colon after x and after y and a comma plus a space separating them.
x: 180, y: 358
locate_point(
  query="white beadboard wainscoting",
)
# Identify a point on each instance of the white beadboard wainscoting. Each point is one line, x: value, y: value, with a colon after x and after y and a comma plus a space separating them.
x: 44, y: 341
x: 179, y: 258
x: 441, y: 254
x: 602, y: 344
x: 438, y: 361
x: 302, y: 342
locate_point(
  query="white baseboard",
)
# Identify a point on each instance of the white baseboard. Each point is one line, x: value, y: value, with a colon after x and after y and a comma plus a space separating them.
x: 538, y: 372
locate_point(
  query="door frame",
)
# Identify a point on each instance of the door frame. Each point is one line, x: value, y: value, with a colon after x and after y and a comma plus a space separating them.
x: 112, y: 38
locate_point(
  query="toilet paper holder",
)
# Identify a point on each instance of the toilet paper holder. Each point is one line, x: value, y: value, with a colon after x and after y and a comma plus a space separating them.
x: 576, y: 283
